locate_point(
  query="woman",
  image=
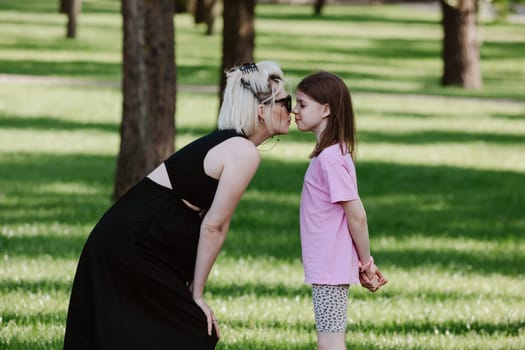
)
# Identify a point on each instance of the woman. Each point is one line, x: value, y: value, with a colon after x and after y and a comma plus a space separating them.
x: 141, y: 275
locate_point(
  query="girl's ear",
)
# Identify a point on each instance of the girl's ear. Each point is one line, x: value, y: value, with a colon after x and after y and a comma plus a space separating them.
x: 326, y: 110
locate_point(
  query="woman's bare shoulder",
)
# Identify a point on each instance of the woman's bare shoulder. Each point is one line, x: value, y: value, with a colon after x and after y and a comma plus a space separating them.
x: 240, y: 148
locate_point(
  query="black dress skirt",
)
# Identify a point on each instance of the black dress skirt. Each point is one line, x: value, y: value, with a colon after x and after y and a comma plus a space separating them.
x: 131, y: 286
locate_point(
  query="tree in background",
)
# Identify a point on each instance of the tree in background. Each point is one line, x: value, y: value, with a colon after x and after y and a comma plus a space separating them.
x: 71, y: 8
x: 318, y: 7
x: 205, y: 11
x: 147, y: 130
x: 460, y: 44
x: 238, y: 36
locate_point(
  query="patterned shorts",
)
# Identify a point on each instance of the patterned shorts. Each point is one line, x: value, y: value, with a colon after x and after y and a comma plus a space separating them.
x: 330, y: 307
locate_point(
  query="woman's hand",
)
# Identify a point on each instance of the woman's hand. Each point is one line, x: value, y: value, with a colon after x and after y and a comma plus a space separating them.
x: 210, y: 316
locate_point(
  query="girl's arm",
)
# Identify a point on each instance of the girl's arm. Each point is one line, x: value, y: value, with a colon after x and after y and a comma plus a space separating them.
x: 371, y: 278
x: 357, y: 223
x: 239, y: 160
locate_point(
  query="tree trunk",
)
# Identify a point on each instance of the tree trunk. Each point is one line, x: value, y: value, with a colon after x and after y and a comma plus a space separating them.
x: 182, y: 6
x: 460, y: 45
x: 149, y: 87
x: 318, y: 7
x: 238, y: 40
x: 205, y: 12
x: 63, y: 6
x: 72, y: 8
x: 212, y: 15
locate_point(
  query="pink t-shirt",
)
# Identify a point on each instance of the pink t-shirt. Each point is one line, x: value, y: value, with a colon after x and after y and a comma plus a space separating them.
x: 328, y: 252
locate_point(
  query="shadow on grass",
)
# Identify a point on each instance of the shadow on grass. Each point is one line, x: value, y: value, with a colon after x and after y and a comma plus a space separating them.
x: 426, y: 82
x: 105, y: 71
x: 401, y: 201
x: 266, y: 289
x: 39, y: 6
x: 453, y: 327
x: 30, y: 343
x: 58, y: 246
x: 502, y: 50
x: 26, y: 286
x: 414, y: 328
x: 510, y: 328
x: 419, y: 137
x: 58, y: 44
x: 436, y: 136
x: 51, y: 123
x: 409, y: 138
x: 20, y: 170
x: 30, y: 6
x: 510, y: 116
x: 62, y: 68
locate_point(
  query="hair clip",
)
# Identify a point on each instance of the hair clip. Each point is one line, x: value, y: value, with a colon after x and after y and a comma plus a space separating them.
x: 248, y: 68
x: 246, y: 84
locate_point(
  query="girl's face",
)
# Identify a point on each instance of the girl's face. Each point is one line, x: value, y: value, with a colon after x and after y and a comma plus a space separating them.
x: 310, y: 115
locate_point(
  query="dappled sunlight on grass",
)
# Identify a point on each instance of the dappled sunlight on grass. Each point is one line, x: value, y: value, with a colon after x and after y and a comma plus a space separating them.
x: 19, y: 269
x: 81, y: 106
x: 440, y: 174
x: 58, y: 142
x: 382, y: 48
x: 479, y: 155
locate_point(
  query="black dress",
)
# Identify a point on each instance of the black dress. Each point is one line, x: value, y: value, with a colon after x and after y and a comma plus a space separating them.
x: 131, y: 285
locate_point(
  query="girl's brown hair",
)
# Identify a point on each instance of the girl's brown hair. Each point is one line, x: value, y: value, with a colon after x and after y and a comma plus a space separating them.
x: 328, y: 88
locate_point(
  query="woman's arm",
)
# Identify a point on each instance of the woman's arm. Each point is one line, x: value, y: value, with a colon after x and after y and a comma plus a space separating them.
x: 239, y: 160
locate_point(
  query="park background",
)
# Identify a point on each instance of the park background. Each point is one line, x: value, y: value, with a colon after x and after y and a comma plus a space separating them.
x: 440, y: 171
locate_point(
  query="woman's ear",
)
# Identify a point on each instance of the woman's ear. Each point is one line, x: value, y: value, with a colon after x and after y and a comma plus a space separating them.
x: 260, y: 112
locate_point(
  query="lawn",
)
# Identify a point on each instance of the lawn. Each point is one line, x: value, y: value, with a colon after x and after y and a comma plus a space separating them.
x: 441, y: 173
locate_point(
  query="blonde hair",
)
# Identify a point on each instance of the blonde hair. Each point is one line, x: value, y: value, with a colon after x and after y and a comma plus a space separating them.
x: 246, y: 87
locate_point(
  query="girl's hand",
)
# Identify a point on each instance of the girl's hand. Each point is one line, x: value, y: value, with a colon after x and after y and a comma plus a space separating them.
x: 210, y: 316
x: 371, y: 278
x: 370, y: 283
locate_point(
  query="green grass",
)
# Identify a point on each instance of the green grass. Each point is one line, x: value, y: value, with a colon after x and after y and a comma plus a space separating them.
x: 440, y: 172
x: 377, y: 49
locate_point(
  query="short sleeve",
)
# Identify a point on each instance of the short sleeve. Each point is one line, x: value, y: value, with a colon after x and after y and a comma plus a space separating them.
x: 341, y: 180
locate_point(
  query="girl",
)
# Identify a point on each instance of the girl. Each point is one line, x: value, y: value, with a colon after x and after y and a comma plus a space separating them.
x: 334, y: 232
